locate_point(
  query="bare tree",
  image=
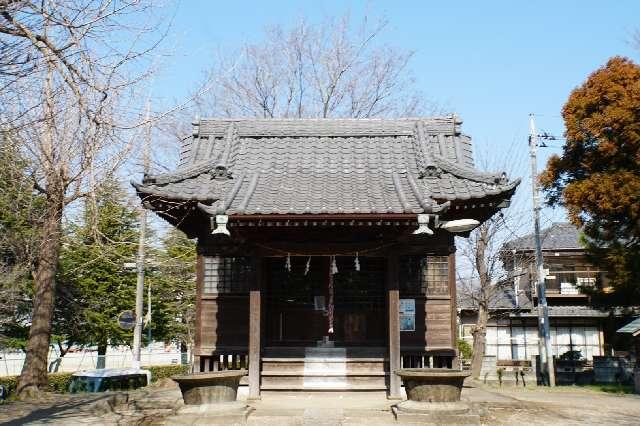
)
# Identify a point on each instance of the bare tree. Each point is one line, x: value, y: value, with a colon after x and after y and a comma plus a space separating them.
x: 482, y: 277
x: 486, y: 279
x: 68, y: 72
x: 334, y: 69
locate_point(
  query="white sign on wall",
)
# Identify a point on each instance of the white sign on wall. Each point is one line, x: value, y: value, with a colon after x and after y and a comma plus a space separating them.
x: 407, y: 315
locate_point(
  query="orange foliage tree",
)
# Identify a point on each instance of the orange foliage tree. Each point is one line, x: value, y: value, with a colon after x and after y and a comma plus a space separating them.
x: 597, y: 177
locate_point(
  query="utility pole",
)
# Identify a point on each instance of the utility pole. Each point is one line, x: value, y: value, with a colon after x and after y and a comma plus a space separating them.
x: 140, y: 263
x: 544, y: 340
x: 148, y: 317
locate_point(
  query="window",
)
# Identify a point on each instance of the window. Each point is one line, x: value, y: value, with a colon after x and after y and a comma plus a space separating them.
x: 421, y: 275
x: 437, y: 275
x: 584, y: 339
x: 227, y: 274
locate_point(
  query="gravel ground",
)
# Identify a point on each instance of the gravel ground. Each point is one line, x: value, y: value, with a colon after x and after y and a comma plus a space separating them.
x: 564, y: 406
x: 497, y: 406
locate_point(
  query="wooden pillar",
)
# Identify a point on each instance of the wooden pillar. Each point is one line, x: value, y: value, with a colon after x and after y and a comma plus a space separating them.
x: 197, y: 344
x: 254, y: 329
x: 455, y: 362
x: 393, y: 299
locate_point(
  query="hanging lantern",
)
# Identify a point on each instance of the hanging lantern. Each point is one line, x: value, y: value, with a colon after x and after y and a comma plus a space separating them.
x: 423, y: 225
x: 221, y: 221
x: 287, y: 263
x: 357, y: 263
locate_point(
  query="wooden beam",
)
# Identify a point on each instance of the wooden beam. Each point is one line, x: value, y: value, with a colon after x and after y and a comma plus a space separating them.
x: 254, y: 329
x: 329, y: 216
x: 393, y: 300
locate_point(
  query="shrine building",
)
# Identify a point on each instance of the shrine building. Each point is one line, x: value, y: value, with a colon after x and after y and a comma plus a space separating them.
x: 326, y: 255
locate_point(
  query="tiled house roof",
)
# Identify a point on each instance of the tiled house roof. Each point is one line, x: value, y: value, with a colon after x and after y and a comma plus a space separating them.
x: 503, y: 298
x: 326, y: 166
x: 555, y: 311
x: 558, y: 236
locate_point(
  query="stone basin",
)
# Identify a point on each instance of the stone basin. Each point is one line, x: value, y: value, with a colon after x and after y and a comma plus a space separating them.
x: 432, y: 384
x: 209, y: 388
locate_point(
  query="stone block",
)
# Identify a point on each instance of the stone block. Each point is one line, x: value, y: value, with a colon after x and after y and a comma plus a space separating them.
x: 438, y: 413
x: 228, y: 413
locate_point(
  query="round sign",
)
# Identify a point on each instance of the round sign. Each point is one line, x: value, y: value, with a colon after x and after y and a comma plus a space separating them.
x: 127, y: 320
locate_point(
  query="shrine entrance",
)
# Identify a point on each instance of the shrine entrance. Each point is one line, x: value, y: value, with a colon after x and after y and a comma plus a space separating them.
x: 341, y: 298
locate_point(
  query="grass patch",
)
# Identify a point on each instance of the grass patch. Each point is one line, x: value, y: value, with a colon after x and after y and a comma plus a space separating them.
x: 609, y: 388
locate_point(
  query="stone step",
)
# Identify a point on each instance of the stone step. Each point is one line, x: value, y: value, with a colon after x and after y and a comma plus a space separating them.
x: 376, y: 387
x: 324, y: 352
x: 303, y: 367
x: 323, y: 373
x: 328, y: 383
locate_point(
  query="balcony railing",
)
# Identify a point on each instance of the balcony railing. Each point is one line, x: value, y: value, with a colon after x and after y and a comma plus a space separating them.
x: 568, y: 283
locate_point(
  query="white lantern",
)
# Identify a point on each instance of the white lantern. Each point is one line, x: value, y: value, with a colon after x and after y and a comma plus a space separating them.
x: 460, y: 225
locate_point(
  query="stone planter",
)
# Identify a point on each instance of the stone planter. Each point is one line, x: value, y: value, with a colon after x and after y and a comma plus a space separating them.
x: 433, y: 397
x: 209, y: 388
x: 432, y: 384
x: 210, y: 398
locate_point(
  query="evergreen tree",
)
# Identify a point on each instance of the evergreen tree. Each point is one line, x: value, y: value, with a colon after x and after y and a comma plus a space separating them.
x: 173, y: 295
x: 20, y: 211
x: 93, y: 286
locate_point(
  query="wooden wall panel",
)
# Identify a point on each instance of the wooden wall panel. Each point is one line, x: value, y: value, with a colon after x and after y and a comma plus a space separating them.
x: 438, y: 319
x: 224, y: 323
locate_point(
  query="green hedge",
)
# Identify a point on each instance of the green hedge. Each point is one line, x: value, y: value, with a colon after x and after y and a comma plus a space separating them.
x: 10, y: 383
x: 59, y: 382
x: 163, y: 371
x: 465, y: 349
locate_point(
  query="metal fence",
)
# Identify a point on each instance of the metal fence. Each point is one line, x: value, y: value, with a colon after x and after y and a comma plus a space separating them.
x: 11, y: 363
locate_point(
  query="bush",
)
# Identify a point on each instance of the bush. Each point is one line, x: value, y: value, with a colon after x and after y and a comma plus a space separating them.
x: 164, y: 371
x: 58, y: 383
x: 465, y: 349
x: 10, y: 383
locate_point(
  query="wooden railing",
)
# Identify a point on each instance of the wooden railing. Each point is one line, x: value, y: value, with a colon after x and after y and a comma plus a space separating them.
x: 423, y: 360
x: 221, y: 361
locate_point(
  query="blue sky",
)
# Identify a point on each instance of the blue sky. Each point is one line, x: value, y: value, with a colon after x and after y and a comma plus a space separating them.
x: 492, y: 62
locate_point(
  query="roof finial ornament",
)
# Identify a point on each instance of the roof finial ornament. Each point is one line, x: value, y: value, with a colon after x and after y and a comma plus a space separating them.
x: 430, y: 170
x: 426, y: 163
x: 196, y: 125
x: 221, y: 171
x: 503, y: 179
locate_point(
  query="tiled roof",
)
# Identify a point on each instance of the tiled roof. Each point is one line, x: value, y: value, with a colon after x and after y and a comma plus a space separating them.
x: 558, y: 236
x: 503, y: 298
x: 565, y: 312
x: 326, y: 166
x: 631, y: 328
